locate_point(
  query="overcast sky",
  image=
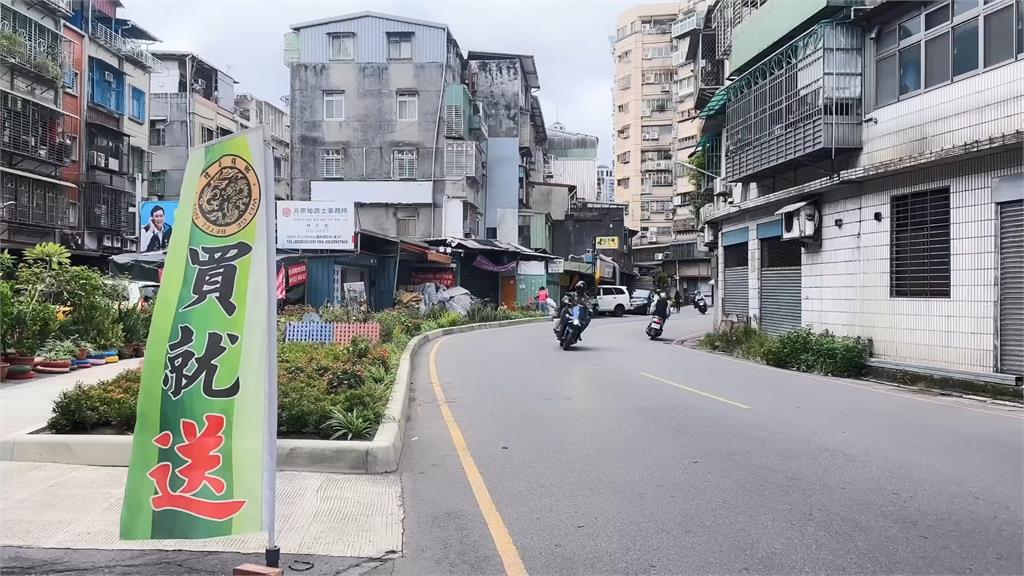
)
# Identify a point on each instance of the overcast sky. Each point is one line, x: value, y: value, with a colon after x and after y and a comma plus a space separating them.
x: 569, y: 39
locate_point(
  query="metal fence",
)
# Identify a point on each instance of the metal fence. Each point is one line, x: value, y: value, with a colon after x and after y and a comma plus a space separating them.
x: 38, y: 202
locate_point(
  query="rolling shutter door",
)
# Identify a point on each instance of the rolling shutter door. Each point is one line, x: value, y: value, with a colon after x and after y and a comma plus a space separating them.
x: 1011, y: 287
x: 480, y: 283
x: 780, y: 286
x: 736, y: 299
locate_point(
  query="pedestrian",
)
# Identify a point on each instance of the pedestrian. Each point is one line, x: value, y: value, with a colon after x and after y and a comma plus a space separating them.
x: 542, y: 299
x: 677, y: 301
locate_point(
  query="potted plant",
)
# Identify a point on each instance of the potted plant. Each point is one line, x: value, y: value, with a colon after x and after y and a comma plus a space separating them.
x: 32, y: 322
x: 135, y: 327
x: 57, y: 356
x: 83, y: 350
x: 3, y: 370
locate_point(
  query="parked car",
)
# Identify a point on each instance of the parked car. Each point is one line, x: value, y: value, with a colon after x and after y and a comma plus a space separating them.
x: 640, y: 301
x: 613, y: 300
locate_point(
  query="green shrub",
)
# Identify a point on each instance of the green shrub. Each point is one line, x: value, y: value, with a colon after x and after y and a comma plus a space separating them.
x: 744, y: 341
x: 357, y: 424
x: 817, y: 352
x: 359, y: 347
x: 105, y: 404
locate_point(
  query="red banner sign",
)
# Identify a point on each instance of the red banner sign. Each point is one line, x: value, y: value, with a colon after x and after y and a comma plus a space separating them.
x: 445, y: 278
x: 297, y: 274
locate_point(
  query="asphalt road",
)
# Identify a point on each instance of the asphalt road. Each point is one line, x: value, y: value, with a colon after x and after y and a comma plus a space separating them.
x: 705, y: 465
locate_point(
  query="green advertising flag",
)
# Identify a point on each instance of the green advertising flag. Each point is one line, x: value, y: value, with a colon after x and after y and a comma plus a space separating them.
x: 203, y: 451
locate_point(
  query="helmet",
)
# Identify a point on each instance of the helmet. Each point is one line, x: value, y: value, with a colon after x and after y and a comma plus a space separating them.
x: 580, y: 287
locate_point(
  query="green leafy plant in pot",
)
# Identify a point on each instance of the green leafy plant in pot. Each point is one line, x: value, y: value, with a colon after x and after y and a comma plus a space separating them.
x: 135, y: 329
x: 32, y: 323
x: 57, y: 355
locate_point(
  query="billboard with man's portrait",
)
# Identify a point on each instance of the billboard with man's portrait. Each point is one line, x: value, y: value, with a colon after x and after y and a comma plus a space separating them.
x: 157, y: 224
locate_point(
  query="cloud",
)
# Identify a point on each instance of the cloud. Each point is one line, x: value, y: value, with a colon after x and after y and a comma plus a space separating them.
x: 568, y: 39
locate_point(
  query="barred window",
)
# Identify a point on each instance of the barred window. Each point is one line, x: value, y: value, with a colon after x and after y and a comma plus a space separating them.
x: 919, y: 261
x: 331, y: 160
x: 403, y: 164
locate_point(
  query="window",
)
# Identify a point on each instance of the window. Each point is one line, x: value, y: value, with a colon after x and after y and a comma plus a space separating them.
x: 936, y: 17
x: 658, y: 76
x: 343, y: 46
x: 622, y: 108
x: 334, y: 105
x: 406, y: 226
x: 158, y: 183
x: 910, y: 28
x: 331, y: 160
x: 936, y: 57
x: 622, y: 183
x: 965, y: 48
x: 656, y: 104
x: 999, y: 36
x: 72, y: 213
x: 157, y: 132
x: 910, y: 69
x: 406, y: 105
x: 623, y: 158
x: 399, y: 46
x: 403, y: 164
x: 886, y: 88
x: 657, y: 51
x: 209, y: 134
x: 73, y: 144
x: 1020, y: 26
x: 138, y: 109
x: 624, y: 82
x: 492, y: 233
x: 919, y: 262
x: 962, y: 6
x: 71, y: 81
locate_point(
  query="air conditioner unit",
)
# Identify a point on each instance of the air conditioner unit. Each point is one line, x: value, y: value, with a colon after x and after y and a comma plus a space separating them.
x: 645, y: 27
x: 800, y: 221
x: 710, y: 235
x: 107, y: 240
x: 108, y: 77
x: 662, y: 164
x: 645, y: 112
x: 659, y: 256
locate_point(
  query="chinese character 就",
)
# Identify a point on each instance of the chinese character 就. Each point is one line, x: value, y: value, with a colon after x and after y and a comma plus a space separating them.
x: 180, y: 356
x: 216, y: 273
x: 199, y: 450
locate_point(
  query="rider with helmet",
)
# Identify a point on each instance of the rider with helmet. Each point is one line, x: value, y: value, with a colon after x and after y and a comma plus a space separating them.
x: 661, y: 306
x: 571, y: 299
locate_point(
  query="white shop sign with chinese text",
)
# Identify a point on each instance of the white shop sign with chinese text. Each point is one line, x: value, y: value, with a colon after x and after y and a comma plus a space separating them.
x: 316, y: 225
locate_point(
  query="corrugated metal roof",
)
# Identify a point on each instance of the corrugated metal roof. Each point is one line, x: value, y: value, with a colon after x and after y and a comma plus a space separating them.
x: 363, y: 14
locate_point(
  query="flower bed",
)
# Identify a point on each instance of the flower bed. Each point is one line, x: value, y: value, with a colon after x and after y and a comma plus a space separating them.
x: 802, y: 349
x: 325, y: 391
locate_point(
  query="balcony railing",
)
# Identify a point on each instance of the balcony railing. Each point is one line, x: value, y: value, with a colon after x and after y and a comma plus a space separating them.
x: 124, y: 46
x: 688, y: 23
x: 34, y: 130
x: 30, y: 44
x: 802, y: 101
x: 61, y: 6
x: 108, y: 209
x: 38, y: 202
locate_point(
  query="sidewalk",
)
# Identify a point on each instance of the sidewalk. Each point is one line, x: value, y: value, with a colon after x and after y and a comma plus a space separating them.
x: 26, y: 404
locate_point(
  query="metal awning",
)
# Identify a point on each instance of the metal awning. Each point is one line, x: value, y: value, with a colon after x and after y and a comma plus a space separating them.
x: 717, y: 104
x: 37, y: 177
x: 791, y: 207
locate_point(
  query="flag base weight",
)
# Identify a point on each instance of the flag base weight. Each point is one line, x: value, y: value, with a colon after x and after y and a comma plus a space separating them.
x: 272, y: 556
x: 256, y: 570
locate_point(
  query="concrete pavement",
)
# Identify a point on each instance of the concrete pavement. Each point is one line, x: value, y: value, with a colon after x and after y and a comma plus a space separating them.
x: 625, y: 456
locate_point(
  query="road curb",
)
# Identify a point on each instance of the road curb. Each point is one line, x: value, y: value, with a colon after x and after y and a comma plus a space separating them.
x: 377, y: 456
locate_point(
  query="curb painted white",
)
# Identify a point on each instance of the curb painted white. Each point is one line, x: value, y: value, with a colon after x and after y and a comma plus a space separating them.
x: 377, y: 456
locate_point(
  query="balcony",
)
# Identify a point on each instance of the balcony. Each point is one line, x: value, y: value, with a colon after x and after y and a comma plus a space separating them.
x: 124, y: 46
x: 107, y: 149
x: 647, y: 165
x: 688, y: 23
x: 33, y: 130
x: 61, y: 7
x: 108, y: 209
x: 38, y: 201
x: 799, y: 105
x: 31, y: 45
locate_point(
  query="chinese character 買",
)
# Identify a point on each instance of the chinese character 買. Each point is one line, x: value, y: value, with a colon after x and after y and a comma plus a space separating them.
x: 199, y: 450
x: 216, y: 273
x: 180, y: 356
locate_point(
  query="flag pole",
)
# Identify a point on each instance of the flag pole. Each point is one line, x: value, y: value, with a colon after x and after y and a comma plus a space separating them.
x: 272, y: 555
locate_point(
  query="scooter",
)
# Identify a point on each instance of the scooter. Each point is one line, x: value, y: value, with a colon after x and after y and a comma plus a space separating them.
x: 574, y: 323
x: 700, y: 304
x: 656, y: 327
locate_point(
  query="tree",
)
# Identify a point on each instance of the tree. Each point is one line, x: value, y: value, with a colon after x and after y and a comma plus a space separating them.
x: 700, y: 196
x: 49, y: 255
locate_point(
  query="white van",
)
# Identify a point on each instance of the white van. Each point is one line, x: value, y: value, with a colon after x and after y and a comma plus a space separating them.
x: 612, y: 300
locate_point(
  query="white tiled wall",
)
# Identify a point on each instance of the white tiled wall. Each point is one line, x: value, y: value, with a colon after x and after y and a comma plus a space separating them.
x: 846, y: 281
x: 976, y: 108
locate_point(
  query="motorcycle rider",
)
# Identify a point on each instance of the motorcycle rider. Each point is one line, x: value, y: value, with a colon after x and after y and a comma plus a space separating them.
x: 577, y: 296
x: 661, y: 306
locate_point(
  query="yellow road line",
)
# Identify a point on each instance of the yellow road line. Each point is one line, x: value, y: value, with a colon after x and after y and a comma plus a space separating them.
x: 695, y: 391
x: 499, y: 533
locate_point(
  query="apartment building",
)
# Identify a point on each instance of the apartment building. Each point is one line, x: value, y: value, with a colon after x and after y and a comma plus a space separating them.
x: 505, y: 86
x: 193, y: 102
x: 644, y: 118
x: 37, y: 134
x: 688, y: 182
x: 605, y: 184
x: 872, y: 181
x: 382, y: 117
x: 252, y: 111
x: 74, y: 130
x: 572, y: 159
